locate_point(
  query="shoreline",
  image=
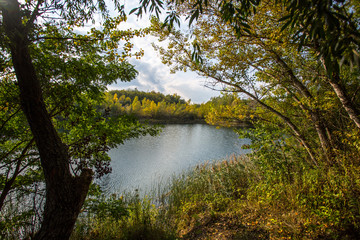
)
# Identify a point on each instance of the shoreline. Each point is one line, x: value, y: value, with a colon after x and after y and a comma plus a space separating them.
x: 196, y: 121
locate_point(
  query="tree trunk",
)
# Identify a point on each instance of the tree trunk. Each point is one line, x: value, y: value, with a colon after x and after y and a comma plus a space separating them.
x: 323, y: 135
x: 292, y: 126
x: 287, y: 121
x: 340, y: 91
x: 17, y: 171
x: 319, y: 124
x: 349, y: 107
x: 65, y: 193
x: 9, y: 183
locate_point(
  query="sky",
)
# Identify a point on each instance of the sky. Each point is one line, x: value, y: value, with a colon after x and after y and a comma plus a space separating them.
x: 154, y: 75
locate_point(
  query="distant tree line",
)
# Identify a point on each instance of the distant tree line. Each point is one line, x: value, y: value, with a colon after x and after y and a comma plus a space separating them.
x: 153, y: 106
x: 226, y: 110
x: 153, y: 96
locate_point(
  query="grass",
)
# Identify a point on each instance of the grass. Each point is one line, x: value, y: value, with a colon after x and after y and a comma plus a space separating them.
x: 234, y: 199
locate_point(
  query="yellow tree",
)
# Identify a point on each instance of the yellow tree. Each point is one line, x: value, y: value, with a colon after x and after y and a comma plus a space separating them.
x: 115, y: 98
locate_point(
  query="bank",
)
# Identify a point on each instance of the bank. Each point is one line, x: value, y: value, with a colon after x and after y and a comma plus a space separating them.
x: 232, y: 199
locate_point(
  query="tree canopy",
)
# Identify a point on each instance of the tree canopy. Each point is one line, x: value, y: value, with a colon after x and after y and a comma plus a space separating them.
x: 331, y: 23
x: 293, y: 67
x: 54, y: 69
x: 288, y: 80
x: 330, y: 27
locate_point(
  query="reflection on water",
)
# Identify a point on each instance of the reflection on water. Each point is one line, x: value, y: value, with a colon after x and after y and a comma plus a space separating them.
x: 142, y: 162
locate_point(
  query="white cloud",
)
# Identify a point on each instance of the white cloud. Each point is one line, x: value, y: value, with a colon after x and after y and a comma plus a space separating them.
x: 153, y: 74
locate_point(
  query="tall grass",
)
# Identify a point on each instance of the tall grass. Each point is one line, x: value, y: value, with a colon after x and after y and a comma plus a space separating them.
x: 121, y: 217
x: 235, y: 199
x: 210, y: 185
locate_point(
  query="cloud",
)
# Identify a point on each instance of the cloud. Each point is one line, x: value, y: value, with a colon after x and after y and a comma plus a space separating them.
x: 153, y: 74
x: 190, y: 86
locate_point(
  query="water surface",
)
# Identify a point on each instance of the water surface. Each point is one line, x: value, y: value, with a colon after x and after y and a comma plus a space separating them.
x: 140, y: 163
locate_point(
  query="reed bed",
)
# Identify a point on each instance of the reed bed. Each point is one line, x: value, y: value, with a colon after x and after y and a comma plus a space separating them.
x: 232, y: 199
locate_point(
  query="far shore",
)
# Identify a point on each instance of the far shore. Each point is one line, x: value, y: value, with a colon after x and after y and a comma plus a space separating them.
x: 193, y: 121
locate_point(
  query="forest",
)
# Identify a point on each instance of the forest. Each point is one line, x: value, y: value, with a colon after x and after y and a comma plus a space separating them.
x: 289, y: 69
x: 155, y: 107
x: 152, y: 106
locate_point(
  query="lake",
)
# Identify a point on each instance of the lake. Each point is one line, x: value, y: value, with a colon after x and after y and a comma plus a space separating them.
x: 141, y: 163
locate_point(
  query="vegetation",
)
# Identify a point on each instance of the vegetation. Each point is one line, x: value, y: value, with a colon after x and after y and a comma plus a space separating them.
x: 239, y: 198
x: 53, y: 141
x: 154, y: 107
x: 292, y: 71
x: 158, y: 108
x: 292, y: 61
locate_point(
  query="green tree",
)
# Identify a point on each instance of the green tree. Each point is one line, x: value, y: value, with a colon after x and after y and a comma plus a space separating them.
x: 229, y: 110
x: 55, y: 76
x: 265, y: 65
x: 331, y: 27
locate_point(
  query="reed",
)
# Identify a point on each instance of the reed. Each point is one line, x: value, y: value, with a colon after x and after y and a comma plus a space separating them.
x: 238, y: 199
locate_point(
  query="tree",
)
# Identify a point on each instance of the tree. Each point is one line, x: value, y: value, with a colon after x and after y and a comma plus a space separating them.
x: 54, y: 75
x: 136, y: 106
x: 229, y: 110
x: 264, y: 64
x: 331, y: 27
x: 153, y: 105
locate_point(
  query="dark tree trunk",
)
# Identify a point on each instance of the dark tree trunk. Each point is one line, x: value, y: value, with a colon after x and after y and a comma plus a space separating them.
x: 8, y: 185
x: 65, y: 193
